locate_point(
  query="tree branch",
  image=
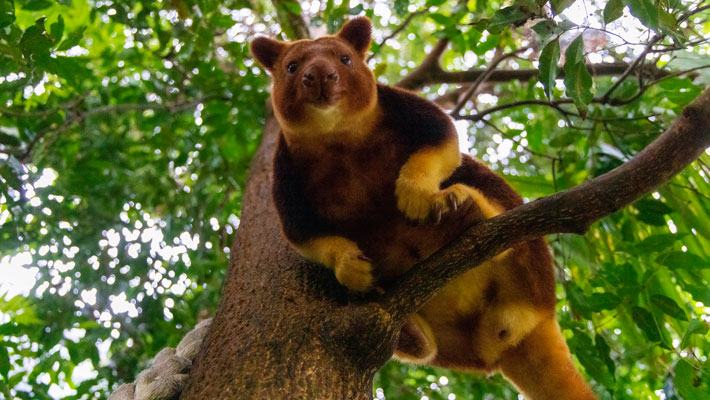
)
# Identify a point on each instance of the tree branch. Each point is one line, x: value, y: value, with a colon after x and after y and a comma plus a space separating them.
x: 556, y: 104
x: 483, y: 77
x: 291, y: 23
x: 430, y: 71
x: 429, y: 67
x: 434, y: 74
x: 553, y: 104
x: 642, y: 57
x: 398, y: 29
x: 570, y: 211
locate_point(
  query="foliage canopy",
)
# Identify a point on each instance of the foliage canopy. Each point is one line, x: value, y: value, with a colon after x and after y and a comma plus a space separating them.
x: 126, y: 131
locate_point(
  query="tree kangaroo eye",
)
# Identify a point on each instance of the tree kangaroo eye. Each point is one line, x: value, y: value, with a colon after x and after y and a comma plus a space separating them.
x: 292, y: 67
x: 345, y: 60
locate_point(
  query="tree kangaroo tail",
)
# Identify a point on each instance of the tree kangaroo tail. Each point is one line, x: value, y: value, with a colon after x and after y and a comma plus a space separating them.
x: 541, y: 366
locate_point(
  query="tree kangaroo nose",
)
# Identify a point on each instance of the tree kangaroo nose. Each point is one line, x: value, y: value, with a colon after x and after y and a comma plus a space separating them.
x: 333, y: 77
x: 308, y: 80
x: 320, y: 74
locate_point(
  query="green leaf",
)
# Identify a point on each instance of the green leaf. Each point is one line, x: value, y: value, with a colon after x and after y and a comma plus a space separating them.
x: 651, y: 211
x: 603, y: 301
x: 613, y: 10
x: 480, y: 25
x: 560, y: 5
x: 688, y: 382
x: 669, y: 26
x: 681, y: 91
x: 10, y: 177
x: 4, y: 360
x: 35, y: 44
x: 503, y: 18
x: 683, y: 260
x: 35, y: 5
x: 653, y: 206
x: 56, y: 30
x: 622, y: 275
x: 577, y: 299
x: 9, y: 329
x: 588, y: 355
x: 292, y: 6
x: 7, y: 14
x: 578, y: 81
x: 549, y: 58
x: 9, y: 140
x: 645, y: 321
x: 658, y: 242
x: 400, y: 7
x: 575, y: 52
x: 545, y: 30
x: 380, y: 69
x: 356, y: 10
x: 668, y: 306
x: 604, y: 350
x: 72, y: 40
x: 646, y: 11
x: 695, y: 327
x: 440, y: 19
x: 487, y: 44
x: 698, y: 292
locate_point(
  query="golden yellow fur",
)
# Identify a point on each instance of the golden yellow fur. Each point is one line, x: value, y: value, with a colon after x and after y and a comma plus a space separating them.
x: 352, y: 269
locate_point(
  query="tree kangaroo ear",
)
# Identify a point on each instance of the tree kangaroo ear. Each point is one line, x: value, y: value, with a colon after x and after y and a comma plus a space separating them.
x: 357, y: 32
x: 267, y: 51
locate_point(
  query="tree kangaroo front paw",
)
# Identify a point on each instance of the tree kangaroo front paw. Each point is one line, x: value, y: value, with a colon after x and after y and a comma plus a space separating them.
x: 449, y: 199
x: 354, y: 270
x: 420, y: 205
x: 414, y: 199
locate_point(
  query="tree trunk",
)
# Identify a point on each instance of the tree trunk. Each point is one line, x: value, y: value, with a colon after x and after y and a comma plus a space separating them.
x: 285, y: 328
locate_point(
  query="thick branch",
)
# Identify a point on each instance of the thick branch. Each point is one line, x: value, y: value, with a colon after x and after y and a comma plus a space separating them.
x: 434, y: 74
x: 571, y: 211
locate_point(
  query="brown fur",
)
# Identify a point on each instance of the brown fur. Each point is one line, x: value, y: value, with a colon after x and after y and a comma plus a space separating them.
x: 357, y: 162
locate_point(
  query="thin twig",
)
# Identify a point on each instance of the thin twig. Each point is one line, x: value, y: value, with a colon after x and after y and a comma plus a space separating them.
x: 529, y: 150
x: 690, y: 188
x: 657, y: 38
x: 427, y: 70
x: 398, y: 29
x: 632, y: 66
x: 483, y: 77
x: 554, y: 104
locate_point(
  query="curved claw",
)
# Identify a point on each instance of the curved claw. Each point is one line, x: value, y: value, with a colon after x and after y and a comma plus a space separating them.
x: 451, y: 198
x: 436, y: 213
x: 364, y: 258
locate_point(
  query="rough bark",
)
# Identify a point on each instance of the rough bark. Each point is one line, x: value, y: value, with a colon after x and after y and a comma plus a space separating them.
x: 286, y: 329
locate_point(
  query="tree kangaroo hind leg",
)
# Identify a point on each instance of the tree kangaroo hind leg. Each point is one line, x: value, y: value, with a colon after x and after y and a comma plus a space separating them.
x: 416, y: 342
